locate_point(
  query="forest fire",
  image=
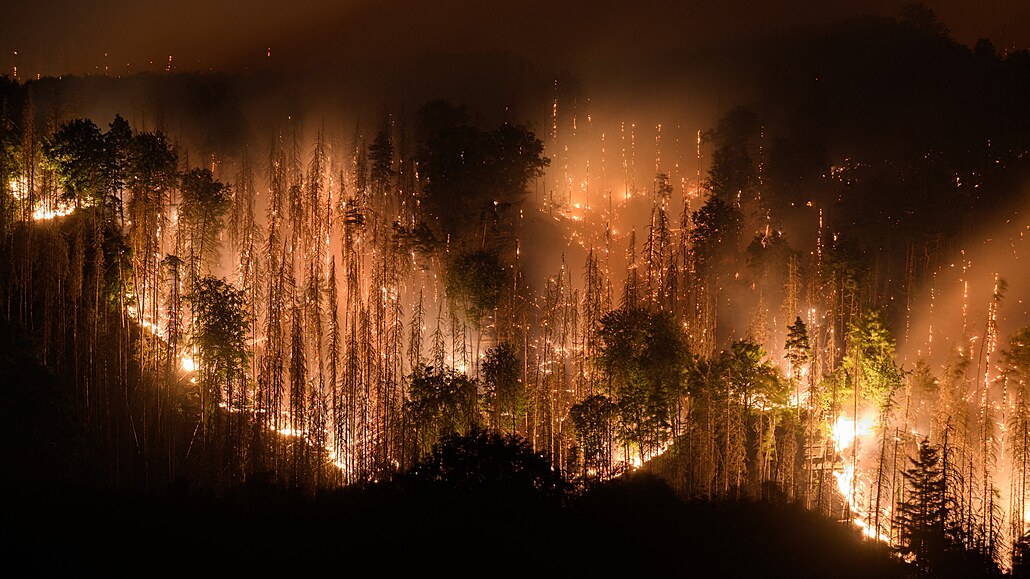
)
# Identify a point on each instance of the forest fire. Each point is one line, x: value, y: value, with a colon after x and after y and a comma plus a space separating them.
x: 750, y: 303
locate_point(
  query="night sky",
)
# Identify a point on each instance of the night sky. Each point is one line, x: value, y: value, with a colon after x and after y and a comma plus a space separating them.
x: 70, y: 37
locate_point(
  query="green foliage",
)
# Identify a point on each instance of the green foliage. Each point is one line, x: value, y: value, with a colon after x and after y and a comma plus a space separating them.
x: 750, y: 376
x: 594, y: 420
x: 476, y: 281
x: 440, y: 402
x: 85, y: 162
x: 220, y: 331
x: 799, y: 352
x: 644, y: 356
x: 10, y: 168
x: 870, y: 358
x: 505, y: 394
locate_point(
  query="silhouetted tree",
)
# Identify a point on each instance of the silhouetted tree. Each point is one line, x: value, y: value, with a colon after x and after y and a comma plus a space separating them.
x: 440, y: 401
x: 220, y: 337
x: 380, y: 155
x: 467, y: 172
x: 205, y: 201
x: 476, y: 282
x: 594, y: 420
x: 505, y: 392
x: 714, y: 237
x: 733, y: 176
x: 644, y: 357
x: 485, y: 462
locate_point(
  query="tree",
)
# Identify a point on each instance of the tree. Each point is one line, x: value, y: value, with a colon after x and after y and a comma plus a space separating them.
x: 440, y: 402
x: 869, y: 363
x: 644, y: 356
x: 754, y: 388
x: 1016, y: 363
x: 380, y: 154
x: 149, y: 169
x: 514, y: 156
x: 505, y: 392
x: 713, y: 239
x: 594, y: 420
x: 150, y: 163
x: 468, y: 173
x: 119, y: 140
x: 799, y: 352
x: 922, y: 18
x: 751, y: 378
x: 84, y: 160
x: 923, y: 517
x: 220, y: 338
x: 733, y: 174
x: 476, y: 280
x: 10, y: 170
x: 205, y: 201
x: 483, y: 463
x: 1021, y: 557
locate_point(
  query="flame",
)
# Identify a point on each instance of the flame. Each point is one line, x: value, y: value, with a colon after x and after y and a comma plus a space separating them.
x: 60, y: 209
x: 845, y: 431
x: 188, y: 363
x: 845, y: 480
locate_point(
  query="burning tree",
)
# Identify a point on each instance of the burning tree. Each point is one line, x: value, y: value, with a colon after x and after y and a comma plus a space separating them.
x: 1017, y: 371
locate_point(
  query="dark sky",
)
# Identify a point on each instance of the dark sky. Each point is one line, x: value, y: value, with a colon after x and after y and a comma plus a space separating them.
x: 73, y: 36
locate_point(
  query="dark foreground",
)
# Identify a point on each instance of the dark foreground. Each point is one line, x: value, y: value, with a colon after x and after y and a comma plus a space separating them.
x: 636, y: 525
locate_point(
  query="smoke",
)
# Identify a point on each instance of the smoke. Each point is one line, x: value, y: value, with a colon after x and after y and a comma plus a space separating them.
x: 949, y: 310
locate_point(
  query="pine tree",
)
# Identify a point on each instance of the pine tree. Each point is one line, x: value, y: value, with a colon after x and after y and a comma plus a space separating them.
x: 922, y: 518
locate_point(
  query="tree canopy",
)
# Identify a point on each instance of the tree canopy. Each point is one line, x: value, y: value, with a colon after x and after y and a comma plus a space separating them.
x: 467, y: 172
x: 85, y: 162
x: 644, y: 357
